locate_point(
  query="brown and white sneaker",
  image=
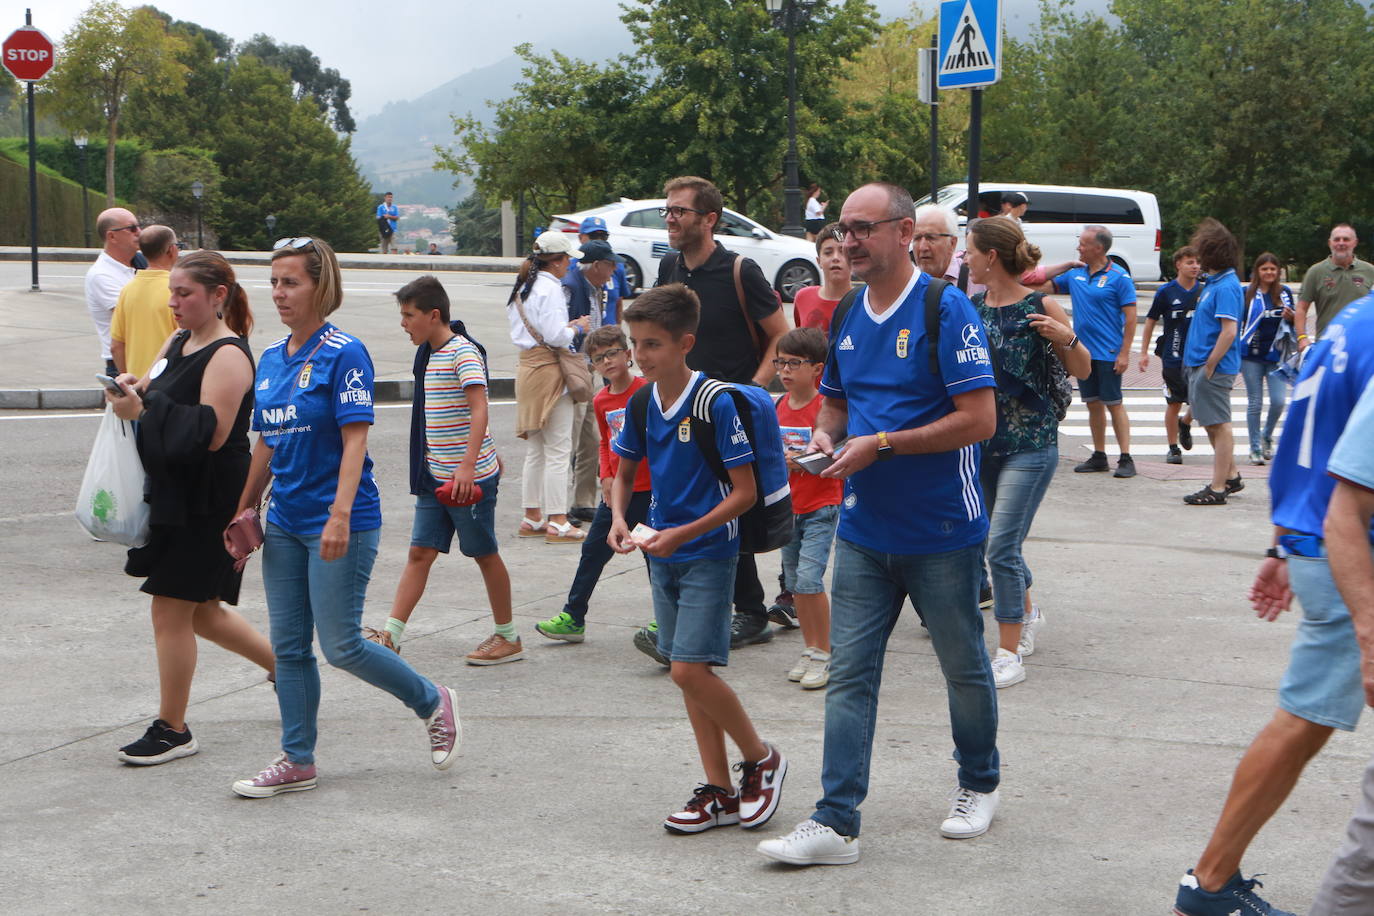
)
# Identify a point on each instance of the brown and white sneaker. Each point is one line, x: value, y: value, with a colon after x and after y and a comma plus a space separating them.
x: 565, y: 533
x: 710, y: 806
x: 760, y: 788
x: 496, y: 650
x: 381, y: 638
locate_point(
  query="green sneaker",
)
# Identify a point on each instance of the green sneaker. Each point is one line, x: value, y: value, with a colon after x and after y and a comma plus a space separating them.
x: 561, y: 627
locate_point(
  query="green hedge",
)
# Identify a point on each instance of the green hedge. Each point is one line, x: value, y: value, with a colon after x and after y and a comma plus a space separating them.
x: 59, y: 207
x: 62, y: 156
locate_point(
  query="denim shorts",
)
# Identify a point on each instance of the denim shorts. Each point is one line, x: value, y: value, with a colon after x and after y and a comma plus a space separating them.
x: 805, y: 557
x: 435, y: 522
x: 1322, y: 683
x: 1210, y: 397
x: 1102, y: 383
x: 692, y: 606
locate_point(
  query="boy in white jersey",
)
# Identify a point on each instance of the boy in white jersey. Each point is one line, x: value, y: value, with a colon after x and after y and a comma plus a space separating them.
x: 451, y: 452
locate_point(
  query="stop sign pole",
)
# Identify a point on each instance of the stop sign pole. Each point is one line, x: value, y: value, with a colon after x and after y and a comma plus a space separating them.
x: 28, y: 55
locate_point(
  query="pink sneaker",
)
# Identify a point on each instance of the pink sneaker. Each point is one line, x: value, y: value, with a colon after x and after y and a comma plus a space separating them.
x: 445, y: 731
x: 281, y: 776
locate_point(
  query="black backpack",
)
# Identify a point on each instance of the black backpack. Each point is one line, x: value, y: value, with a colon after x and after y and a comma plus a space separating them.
x: 767, y: 524
x: 934, y: 291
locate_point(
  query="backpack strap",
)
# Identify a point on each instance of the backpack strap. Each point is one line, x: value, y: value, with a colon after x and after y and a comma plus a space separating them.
x: 639, y: 411
x: 934, y: 290
x: 843, y: 307
x: 744, y: 306
x: 704, y: 428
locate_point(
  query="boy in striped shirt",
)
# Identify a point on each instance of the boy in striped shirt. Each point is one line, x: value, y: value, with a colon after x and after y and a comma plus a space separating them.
x: 452, y: 452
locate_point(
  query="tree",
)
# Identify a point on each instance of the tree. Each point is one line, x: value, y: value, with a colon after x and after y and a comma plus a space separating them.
x: 476, y: 227
x: 324, y: 86
x: 188, y: 117
x: 279, y: 155
x: 164, y: 186
x: 107, y: 54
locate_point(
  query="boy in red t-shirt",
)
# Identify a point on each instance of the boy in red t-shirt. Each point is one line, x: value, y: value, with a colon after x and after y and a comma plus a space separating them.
x: 609, y: 352
x: 815, y: 500
x: 814, y: 305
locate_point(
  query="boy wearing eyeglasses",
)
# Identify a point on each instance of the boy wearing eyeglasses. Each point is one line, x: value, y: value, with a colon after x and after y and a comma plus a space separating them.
x: 815, y: 501
x: 609, y: 352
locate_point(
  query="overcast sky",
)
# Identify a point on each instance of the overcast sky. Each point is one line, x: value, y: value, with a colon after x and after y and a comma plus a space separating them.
x: 397, y: 52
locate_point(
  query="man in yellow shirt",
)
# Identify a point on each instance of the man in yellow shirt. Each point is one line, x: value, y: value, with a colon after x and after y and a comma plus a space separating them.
x: 142, y: 321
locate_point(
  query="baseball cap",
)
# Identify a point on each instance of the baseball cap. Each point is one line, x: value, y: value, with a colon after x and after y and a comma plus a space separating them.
x: 556, y: 243
x: 1015, y: 198
x: 592, y: 224
x: 597, y: 250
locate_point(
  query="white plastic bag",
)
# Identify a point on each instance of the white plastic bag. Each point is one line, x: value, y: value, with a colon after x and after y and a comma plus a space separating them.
x: 110, y: 504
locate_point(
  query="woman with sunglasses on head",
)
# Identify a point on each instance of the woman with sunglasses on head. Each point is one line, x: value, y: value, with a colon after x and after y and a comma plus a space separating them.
x: 1025, y: 332
x: 193, y: 407
x: 313, y: 410
x: 539, y: 327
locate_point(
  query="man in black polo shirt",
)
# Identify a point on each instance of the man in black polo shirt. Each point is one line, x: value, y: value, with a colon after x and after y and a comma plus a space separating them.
x: 728, y: 347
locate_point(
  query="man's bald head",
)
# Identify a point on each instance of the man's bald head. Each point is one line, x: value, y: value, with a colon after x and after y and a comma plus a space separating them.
x: 118, y: 229
x: 159, y: 246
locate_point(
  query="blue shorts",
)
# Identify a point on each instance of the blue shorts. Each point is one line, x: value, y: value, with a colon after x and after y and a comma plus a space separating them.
x: 435, y: 523
x: 1322, y: 683
x: 805, y: 558
x: 1102, y: 383
x: 692, y: 606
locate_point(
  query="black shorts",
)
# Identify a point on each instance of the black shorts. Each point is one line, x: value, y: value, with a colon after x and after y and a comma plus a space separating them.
x: 814, y: 226
x: 1175, y: 385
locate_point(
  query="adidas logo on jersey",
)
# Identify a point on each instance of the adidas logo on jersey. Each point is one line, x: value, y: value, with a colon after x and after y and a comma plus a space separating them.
x: 846, y: 344
x: 266, y: 383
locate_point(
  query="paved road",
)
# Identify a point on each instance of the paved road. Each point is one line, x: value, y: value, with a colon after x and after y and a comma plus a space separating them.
x: 1149, y: 680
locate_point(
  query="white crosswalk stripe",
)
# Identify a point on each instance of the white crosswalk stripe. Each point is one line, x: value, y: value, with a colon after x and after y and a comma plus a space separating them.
x: 1148, y: 436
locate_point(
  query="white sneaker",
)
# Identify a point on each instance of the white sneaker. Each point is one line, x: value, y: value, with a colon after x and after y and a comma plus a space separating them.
x: 970, y: 814
x: 812, y: 843
x: 818, y: 672
x: 1007, y: 669
x: 1026, y: 647
x: 799, y: 669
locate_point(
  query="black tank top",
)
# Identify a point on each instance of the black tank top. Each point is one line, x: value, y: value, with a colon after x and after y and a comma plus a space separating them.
x: 181, y: 376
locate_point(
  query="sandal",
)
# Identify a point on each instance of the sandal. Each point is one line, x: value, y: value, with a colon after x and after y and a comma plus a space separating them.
x: 1235, y: 485
x: 564, y: 534
x: 529, y: 529
x: 1206, y: 497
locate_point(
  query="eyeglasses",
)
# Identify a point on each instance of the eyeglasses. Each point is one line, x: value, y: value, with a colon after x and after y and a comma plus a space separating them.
x: 676, y: 212
x: 791, y: 363
x: 606, y: 355
x: 932, y: 236
x: 861, y: 230
x: 297, y: 243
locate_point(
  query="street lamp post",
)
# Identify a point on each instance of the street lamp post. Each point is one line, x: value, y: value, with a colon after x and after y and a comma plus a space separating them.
x: 197, y: 189
x: 789, y: 15
x: 81, y: 141
x: 271, y: 226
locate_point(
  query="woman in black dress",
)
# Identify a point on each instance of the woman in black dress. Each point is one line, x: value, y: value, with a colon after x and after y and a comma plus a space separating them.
x: 193, y: 410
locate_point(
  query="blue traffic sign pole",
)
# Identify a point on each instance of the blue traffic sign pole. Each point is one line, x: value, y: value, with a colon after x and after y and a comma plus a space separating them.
x: 975, y: 151
x: 935, y: 115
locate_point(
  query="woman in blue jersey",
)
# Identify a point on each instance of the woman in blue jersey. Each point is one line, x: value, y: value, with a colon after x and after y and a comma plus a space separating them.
x: 1268, y: 318
x: 313, y: 410
x: 1026, y: 334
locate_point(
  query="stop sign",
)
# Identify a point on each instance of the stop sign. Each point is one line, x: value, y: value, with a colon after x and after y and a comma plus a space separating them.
x: 27, y: 53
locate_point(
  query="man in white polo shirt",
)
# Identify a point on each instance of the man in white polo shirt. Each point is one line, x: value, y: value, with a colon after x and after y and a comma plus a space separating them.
x: 112, y: 269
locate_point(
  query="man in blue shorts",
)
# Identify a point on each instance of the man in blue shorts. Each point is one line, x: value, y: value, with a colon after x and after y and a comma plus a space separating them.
x: 1103, y: 298
x: 904, y: 423
x: 1322, y: 688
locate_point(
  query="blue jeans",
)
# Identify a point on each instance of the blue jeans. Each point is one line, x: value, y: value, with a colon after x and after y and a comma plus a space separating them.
x: 304, y: 593
x: 596, y: 553
x: 1013, y: 486
x: 1256, y: 374
x: 866, y: 598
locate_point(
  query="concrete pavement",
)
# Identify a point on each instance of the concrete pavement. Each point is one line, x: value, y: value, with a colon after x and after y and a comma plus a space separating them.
x: 1150, y: 678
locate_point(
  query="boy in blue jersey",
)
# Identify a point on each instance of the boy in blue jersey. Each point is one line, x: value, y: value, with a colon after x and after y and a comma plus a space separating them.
x: 1322, y: 688
x: 1173, y: 306
x: 905, y: 424
x: 693, y: 549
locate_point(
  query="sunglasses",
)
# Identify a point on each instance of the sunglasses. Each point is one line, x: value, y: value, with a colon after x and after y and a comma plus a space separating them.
x: 132, y: 228
x: 297, y: 243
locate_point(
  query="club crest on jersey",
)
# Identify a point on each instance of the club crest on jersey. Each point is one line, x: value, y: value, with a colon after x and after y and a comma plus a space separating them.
x: 684, y: 430
x: 903, y: 338
x: 304, y: 380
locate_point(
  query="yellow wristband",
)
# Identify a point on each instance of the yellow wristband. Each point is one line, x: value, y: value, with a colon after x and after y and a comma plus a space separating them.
x: 1302, y: 337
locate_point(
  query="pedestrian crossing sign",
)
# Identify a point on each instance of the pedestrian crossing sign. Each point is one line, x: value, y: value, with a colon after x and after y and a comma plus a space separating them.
x: 970, y: 43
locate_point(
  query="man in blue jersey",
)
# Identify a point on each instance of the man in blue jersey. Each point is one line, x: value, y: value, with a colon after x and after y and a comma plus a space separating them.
x: 386, y: 221
x: 1321, y: 690
x: 904, y: 423
x: 1103, y: 299
x: 1349, y: 887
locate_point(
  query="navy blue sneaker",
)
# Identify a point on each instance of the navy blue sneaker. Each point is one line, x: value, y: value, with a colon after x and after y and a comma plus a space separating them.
x: 1237, y: 897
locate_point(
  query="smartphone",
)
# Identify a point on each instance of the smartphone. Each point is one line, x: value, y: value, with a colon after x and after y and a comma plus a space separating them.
x: 816, y: 462
x: 111, y: 385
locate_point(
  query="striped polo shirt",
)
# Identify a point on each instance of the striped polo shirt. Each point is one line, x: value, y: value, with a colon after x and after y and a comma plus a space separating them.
x: 448, y: 418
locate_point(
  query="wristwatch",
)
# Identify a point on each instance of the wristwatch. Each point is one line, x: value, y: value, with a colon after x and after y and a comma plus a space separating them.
x: 1275, y: 553
x: 884, y: 447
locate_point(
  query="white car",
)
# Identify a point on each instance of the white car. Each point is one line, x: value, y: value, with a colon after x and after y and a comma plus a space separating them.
x: 640, y: 235
x: 1057, y: 214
